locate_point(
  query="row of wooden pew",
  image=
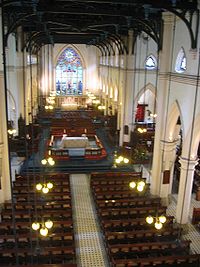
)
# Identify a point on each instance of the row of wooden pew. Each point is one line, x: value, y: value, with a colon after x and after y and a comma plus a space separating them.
x: 19, y: 243
x: 129, y: 240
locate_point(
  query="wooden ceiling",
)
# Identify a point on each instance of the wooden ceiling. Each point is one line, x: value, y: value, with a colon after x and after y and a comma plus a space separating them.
x: 91, y: 22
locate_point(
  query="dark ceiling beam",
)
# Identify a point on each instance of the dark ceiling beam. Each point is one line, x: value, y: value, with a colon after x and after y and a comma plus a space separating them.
x: 158, y: 3
x: 96, y: 20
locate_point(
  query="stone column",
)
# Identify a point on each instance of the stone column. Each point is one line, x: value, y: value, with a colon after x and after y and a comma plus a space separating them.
x: 128, y: 91
x: 5, y: 186
x: 185, y: 189
x: 162, y: 97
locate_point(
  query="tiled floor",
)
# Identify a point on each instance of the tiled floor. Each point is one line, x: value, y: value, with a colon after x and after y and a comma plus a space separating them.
x: 189, y: 230
x: 90, y: 250
x: 89, y: 243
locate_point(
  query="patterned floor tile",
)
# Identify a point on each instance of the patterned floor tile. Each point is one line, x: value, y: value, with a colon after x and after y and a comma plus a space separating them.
x: 90, y: 248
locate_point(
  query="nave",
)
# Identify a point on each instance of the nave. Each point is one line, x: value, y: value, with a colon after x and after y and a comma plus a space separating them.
x: 103, y: 225
x: 98, y: 220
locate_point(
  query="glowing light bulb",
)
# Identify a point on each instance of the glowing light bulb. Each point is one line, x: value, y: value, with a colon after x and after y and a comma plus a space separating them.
x: 121, y: 158
x: 35, y: 226
x: 51, y: 162
x: 140, y: 188
x: 117, y: 161
x: 44, y: 161
x: 44, y: 231
x: 126, y: 160
x: 162, y: 219
x: 132, y: 184
x: 149, y: 219
x: 49, y: 224
x: 49, y: 185
x: 49, y: 159
x: 45, y: 190
x: 142, y: 183
x: 158, y: 225
x: 39, y: 186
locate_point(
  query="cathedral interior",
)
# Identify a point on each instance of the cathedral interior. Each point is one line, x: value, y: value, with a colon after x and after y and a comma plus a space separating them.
x: 99, y: 133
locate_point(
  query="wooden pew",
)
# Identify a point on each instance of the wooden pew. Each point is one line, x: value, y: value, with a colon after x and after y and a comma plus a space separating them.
x: 116, y: 180
x: 51, y: 196
x: 174, y: 260
x: 196, y: 216
x: 148, y: 249
x: 130, y: 224
x: 109, y: 195
x: 127, y: 202
x: 7, y: 227
x: 25, y: 215
x: 45, y: 265
x: 31, y: 239
x: 114, y: 187
x: 95, y: 176
x: 138, y: 236
x: 133, y: 213
x: 47, y: 255
x: 39, y: 206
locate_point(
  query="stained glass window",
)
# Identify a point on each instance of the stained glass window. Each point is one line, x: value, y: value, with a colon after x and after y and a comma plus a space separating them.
x: 69, y: 73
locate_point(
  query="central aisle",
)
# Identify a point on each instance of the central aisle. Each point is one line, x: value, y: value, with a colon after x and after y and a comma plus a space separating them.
x: 90, y: 250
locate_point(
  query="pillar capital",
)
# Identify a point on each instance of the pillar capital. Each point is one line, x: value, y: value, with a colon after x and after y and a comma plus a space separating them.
x: 188, y: 164
x: 168, y: 146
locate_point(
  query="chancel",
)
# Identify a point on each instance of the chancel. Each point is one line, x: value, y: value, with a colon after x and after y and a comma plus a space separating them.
x: 99, y: 133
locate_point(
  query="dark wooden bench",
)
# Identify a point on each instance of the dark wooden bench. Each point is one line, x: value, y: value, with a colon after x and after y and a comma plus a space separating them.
x: 137, y: 236
x: 127, y: 202
x: 40, y: 206
x: 174, y: 260
x: 51, y: 196
x: 196, y: 216
x: 25, y: 215
x: 130, y: 224
x: 118, y: 194
x: 133, y: 213
x: 7, y: 227
x: 148, y: 249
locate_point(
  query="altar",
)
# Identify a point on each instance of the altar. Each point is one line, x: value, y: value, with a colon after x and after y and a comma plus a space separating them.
x: 74, y: 142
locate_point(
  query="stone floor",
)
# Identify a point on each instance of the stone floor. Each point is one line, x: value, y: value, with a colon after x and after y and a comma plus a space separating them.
x: 90, y: 249
x: 189, y: 231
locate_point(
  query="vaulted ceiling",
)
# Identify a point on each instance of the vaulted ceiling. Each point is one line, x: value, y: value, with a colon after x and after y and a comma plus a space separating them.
x: 91, y: 22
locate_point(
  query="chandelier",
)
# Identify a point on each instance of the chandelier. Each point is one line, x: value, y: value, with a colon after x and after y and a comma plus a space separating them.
x: 43, y: 227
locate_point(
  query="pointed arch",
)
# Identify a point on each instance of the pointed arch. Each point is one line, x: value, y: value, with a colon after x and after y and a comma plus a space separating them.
x: 195, y: 139
x: 148, y: 86
x: 173, y: 116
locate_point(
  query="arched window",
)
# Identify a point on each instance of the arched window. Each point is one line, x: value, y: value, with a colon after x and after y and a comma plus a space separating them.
x: 180, y: 66
x: 151, y: 63
x: 69, y: 73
